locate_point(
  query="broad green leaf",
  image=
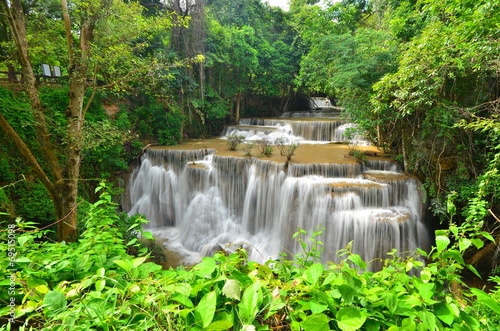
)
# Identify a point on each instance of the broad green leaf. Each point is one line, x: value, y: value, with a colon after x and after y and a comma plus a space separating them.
x: 350, y: 319
x: 315, y: 322
x: 99, y: 285
x: 456, y: 255
x: 442, y: 242
x: 54, y: 300
x: 454, y: 309
x: 471, y: 268
x: 42, y: 289
x: 425, y: 275
x: 32, y: 282
x: 250, y: 303
x: 347, y: 293
x: 317, y: 307
x: 357, y: 260
x: 206, y: 267
x: 426, y: 290
x: 372, y: 325
x: 125, y: 264
x: 408, y: 324
x: 205, y: 310
x: 463, y: 244
x: 220, y: 325
x: 182, y: 288
x: 138, y: 261
x: 471, y: 321
x: 312, y: 274
x: 147, y: 235
x: 391, y: 301
x: 101, y: 272
x: 183, y: 299
x: 231, y: 289
x: 443, y: 313
x: 22, y: 240
x: 428, y: 319
x: 487, y: 236
x: 477, y: 242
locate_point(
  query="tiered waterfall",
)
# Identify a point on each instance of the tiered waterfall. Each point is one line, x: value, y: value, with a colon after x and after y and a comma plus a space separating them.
x: 199, y: 202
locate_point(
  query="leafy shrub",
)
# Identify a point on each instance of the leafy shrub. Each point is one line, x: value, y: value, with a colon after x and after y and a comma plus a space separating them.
x: 154, y: 121
x: 32, y: 202
x: 248, y: 148
x: 265, y: 147
x: 355, y: 151
x: 233, y: 141
x: 95, y: 285
x: 287, y: 150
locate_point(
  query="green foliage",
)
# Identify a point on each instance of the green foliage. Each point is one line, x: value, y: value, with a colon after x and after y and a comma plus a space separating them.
x: 287, y: 150
x: 157, y: 122
x: 16, y: 110
x: 248, y: 148
x: 265, y: 147
x: 355, y: 151
x: 33, y: 203
x: 94, y: 284
x: 233, y: 141
x: 312, y: 248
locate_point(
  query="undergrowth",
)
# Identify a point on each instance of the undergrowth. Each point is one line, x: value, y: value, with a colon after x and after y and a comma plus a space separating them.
x: 95, y: 284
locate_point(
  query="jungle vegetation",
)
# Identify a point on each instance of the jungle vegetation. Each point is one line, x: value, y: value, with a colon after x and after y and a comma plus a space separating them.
x: 419, y: 77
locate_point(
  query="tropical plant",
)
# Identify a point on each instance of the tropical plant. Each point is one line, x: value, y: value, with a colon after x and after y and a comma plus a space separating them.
x: 265, y: 146
x: 287, y: 150
x: 94, y: 284
x: 97, y: 35
x: 234, y: 140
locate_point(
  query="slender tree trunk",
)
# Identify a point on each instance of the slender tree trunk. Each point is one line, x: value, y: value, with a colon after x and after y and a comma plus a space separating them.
x: 61, y: 190
x: 238, y: 106
x: 62, y: 184
x: 405, y: 153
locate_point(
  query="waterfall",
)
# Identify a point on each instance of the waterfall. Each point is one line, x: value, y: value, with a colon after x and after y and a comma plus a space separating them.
x: 311, y: 131
x: 200, y: 202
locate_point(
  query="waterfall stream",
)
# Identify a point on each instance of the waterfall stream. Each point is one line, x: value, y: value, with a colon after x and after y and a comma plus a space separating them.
x: 198, y: 202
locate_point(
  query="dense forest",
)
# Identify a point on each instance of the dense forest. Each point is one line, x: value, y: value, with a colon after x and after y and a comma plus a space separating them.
x: 420, y: 78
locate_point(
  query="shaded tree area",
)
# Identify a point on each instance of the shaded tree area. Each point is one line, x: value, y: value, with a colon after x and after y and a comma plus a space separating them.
x: 421, y: 79
x: 99, y: 46
x: 249, y: 59
x: 133, y: 73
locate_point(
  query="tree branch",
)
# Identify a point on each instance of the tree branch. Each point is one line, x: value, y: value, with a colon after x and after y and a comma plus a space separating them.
x: 28, y: 157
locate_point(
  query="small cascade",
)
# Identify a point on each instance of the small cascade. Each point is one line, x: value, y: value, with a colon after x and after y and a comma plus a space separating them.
x: 287, y: 130
x: 308, y: 114
x: 198, y: 203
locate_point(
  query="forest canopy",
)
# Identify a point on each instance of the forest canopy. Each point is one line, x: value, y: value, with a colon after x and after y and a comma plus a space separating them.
x: 420, y: 78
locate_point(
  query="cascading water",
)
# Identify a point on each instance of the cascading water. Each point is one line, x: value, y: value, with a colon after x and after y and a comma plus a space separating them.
x: 200, y: 202
x: 317, y: 131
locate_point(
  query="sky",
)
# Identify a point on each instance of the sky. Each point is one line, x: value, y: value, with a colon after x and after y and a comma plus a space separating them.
x: 279, y: 3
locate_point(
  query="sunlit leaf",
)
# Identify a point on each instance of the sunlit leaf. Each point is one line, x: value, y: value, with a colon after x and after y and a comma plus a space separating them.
x: 350, y: 319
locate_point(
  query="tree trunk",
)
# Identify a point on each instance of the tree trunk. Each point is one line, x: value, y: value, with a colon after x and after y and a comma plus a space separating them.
x: 405, y: 153
x: 63, y: 183
x: 61, y: 190
x: 238, y: 108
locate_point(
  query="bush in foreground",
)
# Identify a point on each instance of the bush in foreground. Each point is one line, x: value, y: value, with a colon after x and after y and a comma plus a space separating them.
x: 95, y: 285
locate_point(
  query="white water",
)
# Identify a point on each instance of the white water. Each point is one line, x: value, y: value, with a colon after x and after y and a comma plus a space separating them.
x: 288, y: 131
x: 201, y: 203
